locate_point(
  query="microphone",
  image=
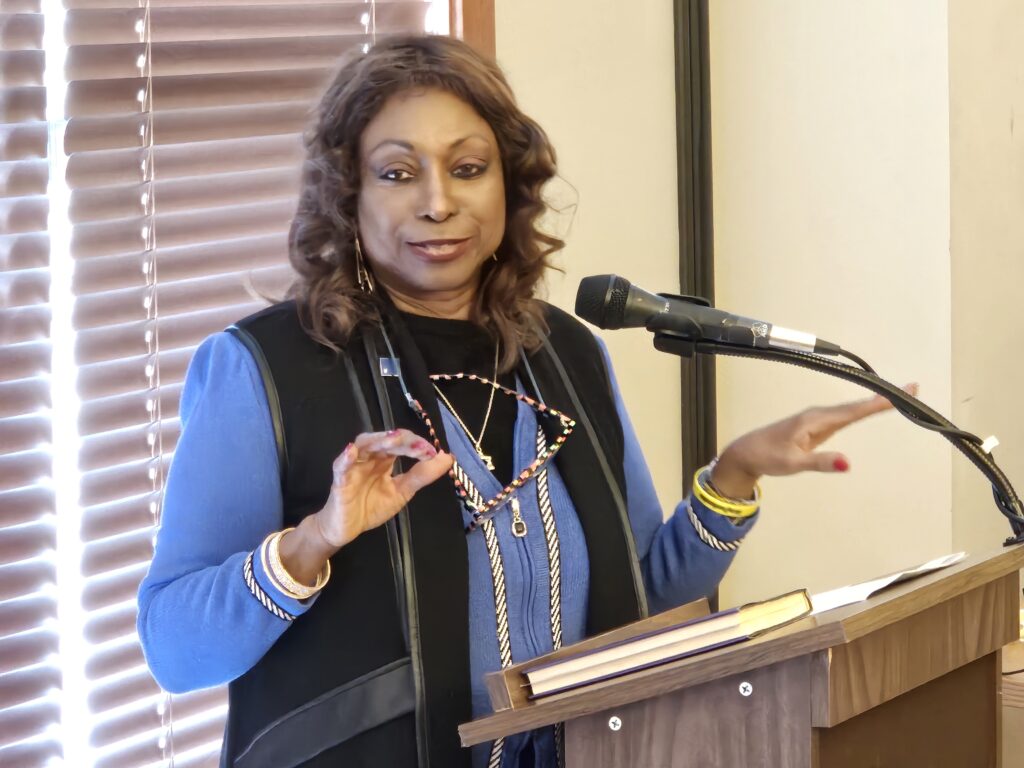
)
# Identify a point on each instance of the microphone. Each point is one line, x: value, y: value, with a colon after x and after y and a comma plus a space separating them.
x: 612, y: 302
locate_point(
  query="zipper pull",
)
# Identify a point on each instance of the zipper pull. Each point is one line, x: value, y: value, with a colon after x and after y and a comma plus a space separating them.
x: 518, y: 524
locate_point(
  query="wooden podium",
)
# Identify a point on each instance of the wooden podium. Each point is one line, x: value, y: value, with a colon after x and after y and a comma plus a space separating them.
x: 910, y: 677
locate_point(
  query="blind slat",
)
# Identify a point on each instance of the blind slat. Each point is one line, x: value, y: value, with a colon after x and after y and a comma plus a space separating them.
x: 203, y: 226
x: 129, y: 374
x: 239, y: 255
x: 235, y: 189
x: 129, y: 689
x: 185, y: 738
x: 20, y: 68
x: 106, y: 590
x: 114, y: 660
x: 20, y: 361
x: 23, y: 104
x: 129, y: 340
x: 20, y: 470
x: 21, y: 31
x: 22, y: 141
x: 99, y: 169
x: 24, y: 251
x: 24, y: 177
x: 23, y: 397
x: 25, y: 287
x: 23, y: 214
x: 27, y: 649
x: 25, y: 505
x: 109, y: 449
x: 91, y: 98
x: 17, y: 616
x: 239, y: 122
x: 105, y: 485
x: 120, y: 25
x: 137, y: 408
x: 28, y: 720
x: 200, y: 57
x: 25, y: 578
x: 35, y: 754
x: 26, y: 6
x: 24, y: 433
x: 24, y: 324
x: 147, y: 719
x: 180, y: 297
x: 24, y: 542
x: 27, y: 685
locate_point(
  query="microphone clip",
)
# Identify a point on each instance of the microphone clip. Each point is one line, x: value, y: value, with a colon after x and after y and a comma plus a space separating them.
x: 680, y: 346
x: 688, y: 299
x: 673, y: 343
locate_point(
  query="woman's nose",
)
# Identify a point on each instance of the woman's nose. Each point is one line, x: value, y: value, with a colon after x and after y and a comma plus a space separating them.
x: 438, y: 203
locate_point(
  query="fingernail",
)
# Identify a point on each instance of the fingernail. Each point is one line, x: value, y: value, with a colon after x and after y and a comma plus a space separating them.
x: 392, y: 432
x: 841, y: 465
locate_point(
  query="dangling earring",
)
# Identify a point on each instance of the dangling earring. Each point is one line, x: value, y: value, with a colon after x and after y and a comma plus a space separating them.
x: 363, y: 276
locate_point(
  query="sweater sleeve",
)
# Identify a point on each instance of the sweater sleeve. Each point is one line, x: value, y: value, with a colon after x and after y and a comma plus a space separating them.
x: 677, y: 566
x: 199, y: 623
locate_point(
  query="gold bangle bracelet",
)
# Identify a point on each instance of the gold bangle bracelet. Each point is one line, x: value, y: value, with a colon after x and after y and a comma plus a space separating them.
x: 717, y: 503
x: 284, y: 580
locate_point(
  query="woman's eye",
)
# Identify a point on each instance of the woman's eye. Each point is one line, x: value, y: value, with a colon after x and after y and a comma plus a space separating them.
x: 469, y: 170
x: 396, y: 174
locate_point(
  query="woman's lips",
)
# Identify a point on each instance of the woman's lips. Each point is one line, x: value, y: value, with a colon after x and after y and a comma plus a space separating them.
x: 440, y: 250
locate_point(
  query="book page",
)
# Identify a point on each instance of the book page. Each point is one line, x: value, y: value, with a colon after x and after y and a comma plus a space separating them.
x: 836, y: 598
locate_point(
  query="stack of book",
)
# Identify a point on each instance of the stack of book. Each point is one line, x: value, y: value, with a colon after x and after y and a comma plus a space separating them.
x: 664, y: 645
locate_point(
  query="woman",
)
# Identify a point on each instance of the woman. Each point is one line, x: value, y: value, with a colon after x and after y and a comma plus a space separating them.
x: 355, y: 611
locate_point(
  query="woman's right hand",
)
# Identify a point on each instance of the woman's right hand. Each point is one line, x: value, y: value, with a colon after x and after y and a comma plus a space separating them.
x: 364, y: 494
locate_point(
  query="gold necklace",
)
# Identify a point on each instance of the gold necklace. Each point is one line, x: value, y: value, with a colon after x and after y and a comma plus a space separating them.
x: 477, y: 441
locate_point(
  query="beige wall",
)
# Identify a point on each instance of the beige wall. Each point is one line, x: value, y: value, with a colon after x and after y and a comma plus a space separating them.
x: 605, y: 94
x: 831, y: 201
x: 856, y: 146
x: 986, y: 83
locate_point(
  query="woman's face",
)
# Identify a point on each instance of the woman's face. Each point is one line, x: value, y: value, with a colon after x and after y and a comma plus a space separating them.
x: 432, y: 198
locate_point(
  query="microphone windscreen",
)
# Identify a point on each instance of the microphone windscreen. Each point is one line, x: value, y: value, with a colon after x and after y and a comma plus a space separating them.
x: 601, y: 300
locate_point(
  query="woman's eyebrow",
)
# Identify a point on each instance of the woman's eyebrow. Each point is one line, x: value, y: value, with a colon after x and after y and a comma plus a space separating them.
x: 397, y: 142
x: 409, y: 147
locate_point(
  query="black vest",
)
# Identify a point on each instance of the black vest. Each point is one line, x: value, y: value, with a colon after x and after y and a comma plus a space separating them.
x: 377, y: 671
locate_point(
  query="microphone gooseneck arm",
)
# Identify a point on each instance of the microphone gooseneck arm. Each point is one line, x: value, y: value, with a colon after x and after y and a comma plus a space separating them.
x: 1006, y: 498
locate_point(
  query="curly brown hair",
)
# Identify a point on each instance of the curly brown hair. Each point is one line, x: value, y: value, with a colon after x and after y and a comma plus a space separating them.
x: 323, y: 233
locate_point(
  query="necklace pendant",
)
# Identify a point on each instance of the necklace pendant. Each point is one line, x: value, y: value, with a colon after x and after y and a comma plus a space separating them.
x: 518, y: 524
x: 487, y: 460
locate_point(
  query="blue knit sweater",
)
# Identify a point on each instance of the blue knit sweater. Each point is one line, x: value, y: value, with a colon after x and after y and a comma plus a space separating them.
x: 200, y: 626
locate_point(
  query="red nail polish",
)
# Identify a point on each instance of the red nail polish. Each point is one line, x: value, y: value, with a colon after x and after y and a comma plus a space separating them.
x: 841, y: 465
x: 392, y: 432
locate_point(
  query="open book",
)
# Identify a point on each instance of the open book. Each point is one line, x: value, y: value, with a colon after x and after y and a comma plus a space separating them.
x: 663, y: 645
x: 835, y: 598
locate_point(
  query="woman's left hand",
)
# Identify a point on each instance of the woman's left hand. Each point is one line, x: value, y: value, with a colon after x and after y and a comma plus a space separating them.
x: 790, y: 446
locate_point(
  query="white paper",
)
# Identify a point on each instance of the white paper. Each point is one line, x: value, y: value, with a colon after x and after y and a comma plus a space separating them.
x: 835, y: 598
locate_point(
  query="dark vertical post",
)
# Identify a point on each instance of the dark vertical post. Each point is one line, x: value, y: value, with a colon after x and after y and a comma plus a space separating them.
x: 699, y: 438
x: 696, y: 242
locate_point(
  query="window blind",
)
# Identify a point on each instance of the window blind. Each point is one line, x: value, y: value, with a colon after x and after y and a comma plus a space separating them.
x: 174, y: 135
x: 30, y: 678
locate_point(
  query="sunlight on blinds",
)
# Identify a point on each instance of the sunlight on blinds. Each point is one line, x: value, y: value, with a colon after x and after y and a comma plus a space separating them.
x: 149, y: 161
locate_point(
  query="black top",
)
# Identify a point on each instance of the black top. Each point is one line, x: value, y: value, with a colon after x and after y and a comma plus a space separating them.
x: 395, y: 692
x: 461, y: 346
